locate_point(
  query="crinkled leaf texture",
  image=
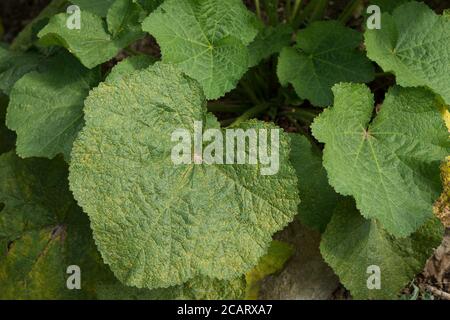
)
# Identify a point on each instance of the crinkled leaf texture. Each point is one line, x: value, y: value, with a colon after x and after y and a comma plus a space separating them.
x: 318, y: 198
x: 354, y: 247
x: 207, y: 39
x: 13, y: 65
x: 42, y: 232
x: 129, y: 65
x: 389, y: 164
x: 200, y: 288
x: 325, y: 54
x: 272, y: 262
x: 92, y: 44
x: 46, y: 108
x: 158, y: 224
x: 413, y: 43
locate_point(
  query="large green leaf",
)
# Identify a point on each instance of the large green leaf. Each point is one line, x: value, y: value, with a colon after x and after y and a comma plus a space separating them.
x: 42, y: 233
x: 354, y: 247
x: 318, y: 198
x: 13, y: 65
x: 413, y: 43
x: 325, y: 54
x: 207, y: 39
x: 92, y: 44
x: 158, y: 224
x: 46, y: 108
x: 389, y: 164
x: 200, y: 288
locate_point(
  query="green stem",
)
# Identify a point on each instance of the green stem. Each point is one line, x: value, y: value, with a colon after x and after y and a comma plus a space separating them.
x: 250, y: 93
x: 258, y: 8
x: 296, y: 8
x: 250, y: 114
x: 349, y: 10
x: 288, y: 9
x: 319, y: 10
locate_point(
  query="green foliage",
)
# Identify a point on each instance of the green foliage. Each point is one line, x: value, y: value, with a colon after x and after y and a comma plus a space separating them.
x: 95, y: 42
x: 318, y: 198
x: 167, y: 211
x: 208, y: 42
x: 98, y: 7
x: 352, y: 244
x: 13, y: 65
x: 97, y: 98
x: 389, y: 163
x: 42, y: 232
x: 325, y: 54
x: 46, y: 108
x: 128, y: 66
x: 413, y: 43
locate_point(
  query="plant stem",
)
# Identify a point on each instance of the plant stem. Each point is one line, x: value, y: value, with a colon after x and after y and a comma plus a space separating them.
x: 296, y: 8
x: 249, y: 91
x: 250, y: 114
x: 258, y: 8
x: 349, y: 10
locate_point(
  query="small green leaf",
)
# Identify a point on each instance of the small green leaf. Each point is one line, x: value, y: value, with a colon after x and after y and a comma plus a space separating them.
x: 413, y: 43
x: 270, y: 40
x: 158, y: 224
x: 389, y: 164
x: 208, y: 42
x: 46, y: 108
x: 325, y: 54
x: 42, y: 233
x: 129, y: 65
x: 272, y: 262
x: 91, y: 44
x: 355, y: 248
x: 318, y: 198
x: 98, y: 7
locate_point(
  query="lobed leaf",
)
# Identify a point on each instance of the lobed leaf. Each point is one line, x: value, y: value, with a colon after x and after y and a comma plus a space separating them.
x: 357, y: 248
x: 389, y: 164
x: 158, y: 224
x: 208, y: 41
x: 414, y: 44
x: 325, y: 54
